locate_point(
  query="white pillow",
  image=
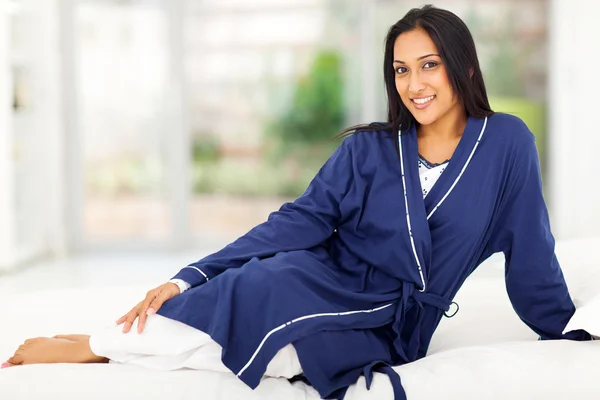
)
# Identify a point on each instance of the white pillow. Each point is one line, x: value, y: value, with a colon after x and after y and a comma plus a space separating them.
x: 549, y: 369
x: 586, y: 317
x: 486, y: 315
x: 580, y: 262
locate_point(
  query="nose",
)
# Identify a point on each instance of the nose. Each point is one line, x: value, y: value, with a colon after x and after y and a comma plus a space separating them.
x: 415, y: 84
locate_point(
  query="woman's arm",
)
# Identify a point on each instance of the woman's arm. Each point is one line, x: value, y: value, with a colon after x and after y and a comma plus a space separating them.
x: 534, y: 279
x: 302, y: 224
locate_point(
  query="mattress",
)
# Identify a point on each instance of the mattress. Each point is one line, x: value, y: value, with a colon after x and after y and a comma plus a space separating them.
x: 484, y: 352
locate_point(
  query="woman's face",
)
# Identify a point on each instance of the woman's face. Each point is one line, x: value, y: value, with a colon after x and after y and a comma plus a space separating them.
x: 421, y: 78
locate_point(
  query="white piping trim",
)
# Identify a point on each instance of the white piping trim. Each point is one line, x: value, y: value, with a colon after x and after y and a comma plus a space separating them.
x: 412, y: 240
x: 280, y: 327
x: 461, y: 172
x: 197, y: 269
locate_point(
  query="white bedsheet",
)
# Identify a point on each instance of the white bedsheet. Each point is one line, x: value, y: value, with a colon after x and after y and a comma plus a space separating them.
x: 484, y: 352
x: 83, y: 311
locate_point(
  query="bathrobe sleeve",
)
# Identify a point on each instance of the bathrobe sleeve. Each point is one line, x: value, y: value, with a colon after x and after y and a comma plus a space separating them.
x: 534, y: 279
x: 302, y: 224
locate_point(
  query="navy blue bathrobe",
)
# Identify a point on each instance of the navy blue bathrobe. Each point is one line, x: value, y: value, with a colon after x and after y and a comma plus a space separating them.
x: 359, y: 270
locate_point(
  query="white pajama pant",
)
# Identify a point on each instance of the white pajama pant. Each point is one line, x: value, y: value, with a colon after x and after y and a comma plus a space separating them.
x: 168, y: 345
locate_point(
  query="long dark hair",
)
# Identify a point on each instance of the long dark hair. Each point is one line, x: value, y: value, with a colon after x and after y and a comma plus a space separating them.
x: 457, y: 50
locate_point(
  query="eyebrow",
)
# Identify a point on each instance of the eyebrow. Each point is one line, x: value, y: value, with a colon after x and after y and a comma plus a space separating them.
x: 418, y: 59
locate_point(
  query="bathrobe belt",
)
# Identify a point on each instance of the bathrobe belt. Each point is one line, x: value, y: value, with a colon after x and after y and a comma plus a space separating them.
x: 411, y: 297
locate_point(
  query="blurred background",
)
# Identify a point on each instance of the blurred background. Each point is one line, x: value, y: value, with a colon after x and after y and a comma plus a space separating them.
x: 144, y: 134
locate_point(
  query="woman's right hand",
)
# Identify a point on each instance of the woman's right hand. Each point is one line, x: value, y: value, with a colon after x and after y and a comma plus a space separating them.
x: 153, y: 301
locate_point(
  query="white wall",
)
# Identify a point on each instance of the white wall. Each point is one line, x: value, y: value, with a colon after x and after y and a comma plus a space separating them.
x: 7, y: 232
x: 574, y: 118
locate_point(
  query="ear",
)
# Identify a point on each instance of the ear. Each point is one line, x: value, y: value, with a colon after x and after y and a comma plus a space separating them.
x: 471, y: 71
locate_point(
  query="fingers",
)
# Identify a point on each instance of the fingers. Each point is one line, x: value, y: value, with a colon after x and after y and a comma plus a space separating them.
x: 166, y: 292
x: 157, y: 303
x: 129, y: 320
x: 127, y: 316
x: 153, y: 301
x: 143, y: 315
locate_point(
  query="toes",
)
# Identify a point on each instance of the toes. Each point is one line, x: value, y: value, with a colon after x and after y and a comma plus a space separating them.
x: 15, y: 360
x: 7, y: 364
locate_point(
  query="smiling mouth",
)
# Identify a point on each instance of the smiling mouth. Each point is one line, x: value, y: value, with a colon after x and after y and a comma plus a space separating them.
x: 423, y: 101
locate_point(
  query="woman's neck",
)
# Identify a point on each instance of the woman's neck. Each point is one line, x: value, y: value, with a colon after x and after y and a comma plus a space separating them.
x: 450, y: 126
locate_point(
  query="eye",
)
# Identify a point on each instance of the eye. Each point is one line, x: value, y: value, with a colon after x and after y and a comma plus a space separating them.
x: 430, y: 64
x: 401, y: 70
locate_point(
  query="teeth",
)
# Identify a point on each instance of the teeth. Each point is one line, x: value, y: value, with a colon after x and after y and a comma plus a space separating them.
x: 423, y: 101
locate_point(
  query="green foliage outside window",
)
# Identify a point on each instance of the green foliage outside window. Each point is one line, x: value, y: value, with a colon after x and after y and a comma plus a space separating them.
x: 317, y: 111
x: 298, y: 141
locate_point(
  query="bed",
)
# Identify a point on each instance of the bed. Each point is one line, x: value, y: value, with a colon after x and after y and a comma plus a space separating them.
x: 484, y: 352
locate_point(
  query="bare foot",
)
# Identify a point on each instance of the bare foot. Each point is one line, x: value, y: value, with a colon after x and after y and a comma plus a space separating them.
x: 51, y: 350
x: 74, y: 338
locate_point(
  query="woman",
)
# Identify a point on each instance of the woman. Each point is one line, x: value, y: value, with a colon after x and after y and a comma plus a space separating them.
x: 355, y: 275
